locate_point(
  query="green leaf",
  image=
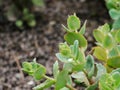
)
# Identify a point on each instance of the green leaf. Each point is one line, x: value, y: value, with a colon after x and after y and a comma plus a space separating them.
x: 115, y: 70
x: 81, y: 56
x: 44, y: 85
x: 70, y: 37
x: 68, y: 67
x: 64, y: 88
x: 116, y: 77
x: 108, y: 41
x: 114, y: 13
x: 78, y: 67
x: 118, y: 36
x: 100, y: 53
x: 116, y: 24
x: 113, y: 33
x: 90, y: 66
x: 81, y: 77
x: 98, y: 35
x: 38, y: 2
x: 61, y: 80
x: 76, y: 48
x: 27, y: 67
x: 32, y: 23
x: 73, y: 23
x: 101, y: 70
x: 104, y: 28
x: 92, y: 87
x: 19, y: 23
x: 69, y: 80
x: 110, y: 4
x: 113, y: 52
x: 83, y: 28
x: 63, y: 58
x: 118, y: 48
x: 114, y: 62
x: 78, y: 52
x: 55, y: 69
x: 64, y: 49
x: 106, y: 82
x: 39, y: 73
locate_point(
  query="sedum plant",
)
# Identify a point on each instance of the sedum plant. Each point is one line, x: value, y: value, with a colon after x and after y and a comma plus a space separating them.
x: 108, y: 48
x: 114, y: 11
x: 78, y: 68
x: 22, y: 11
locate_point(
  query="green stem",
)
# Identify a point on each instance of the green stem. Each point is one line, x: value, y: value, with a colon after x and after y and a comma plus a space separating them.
x: 52, y: 79
x: 70, y: 87
x: 46, y: 77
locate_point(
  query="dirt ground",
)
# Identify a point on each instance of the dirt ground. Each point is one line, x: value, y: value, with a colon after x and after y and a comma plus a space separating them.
x: 41, y: 42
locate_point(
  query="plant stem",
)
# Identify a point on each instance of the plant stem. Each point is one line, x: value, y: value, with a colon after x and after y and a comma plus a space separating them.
x: 46, y: 77
x: 52, y: 79
x: 70, y: 87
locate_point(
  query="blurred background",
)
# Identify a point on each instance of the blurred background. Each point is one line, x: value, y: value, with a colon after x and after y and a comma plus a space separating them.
x: 32, y: 29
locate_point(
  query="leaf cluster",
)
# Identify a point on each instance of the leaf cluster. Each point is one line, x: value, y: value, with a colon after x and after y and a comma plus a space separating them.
x: 114, y: 12
x: 21, y: 11
x: 79, y: 68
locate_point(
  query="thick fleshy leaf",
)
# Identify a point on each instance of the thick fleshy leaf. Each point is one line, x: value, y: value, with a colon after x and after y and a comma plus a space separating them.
x: 98, y: 35
x: 90, y: 66
x: 108, y: 41
x: 64, y: 49
x: 110, y: 4
x: 118, y: 48
x: 114, y: 13
x: 81, y: 77
x: 78, y: 67
x: 27, y: 67
x: 116, y: 77
x: 69, y: 80
x: 78, y: 53
x: 75, y: 48
x: 32, y: 23
x: 44, y: 85
x: 39, y: 73
x: 83, y: 28
x: 116, y: 24
x: 114, y: 52
x: 65, y: 88
x: 19, y: 23
x: 61, y: 80
x: 100, y: 53
x: 81, y: 57
x: 118, y: 36
x: 106, y: 82
x: 113, y: 33
x: 55, y: 69
x: 116, y: 70
x: 104, y: 28
x: 92, y: 87
x: 62, y: 58
x: 114, y: 62
x: 68, y: 67
x: 70, y: 37
x: 101, y: 70
x: 73, y: 23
